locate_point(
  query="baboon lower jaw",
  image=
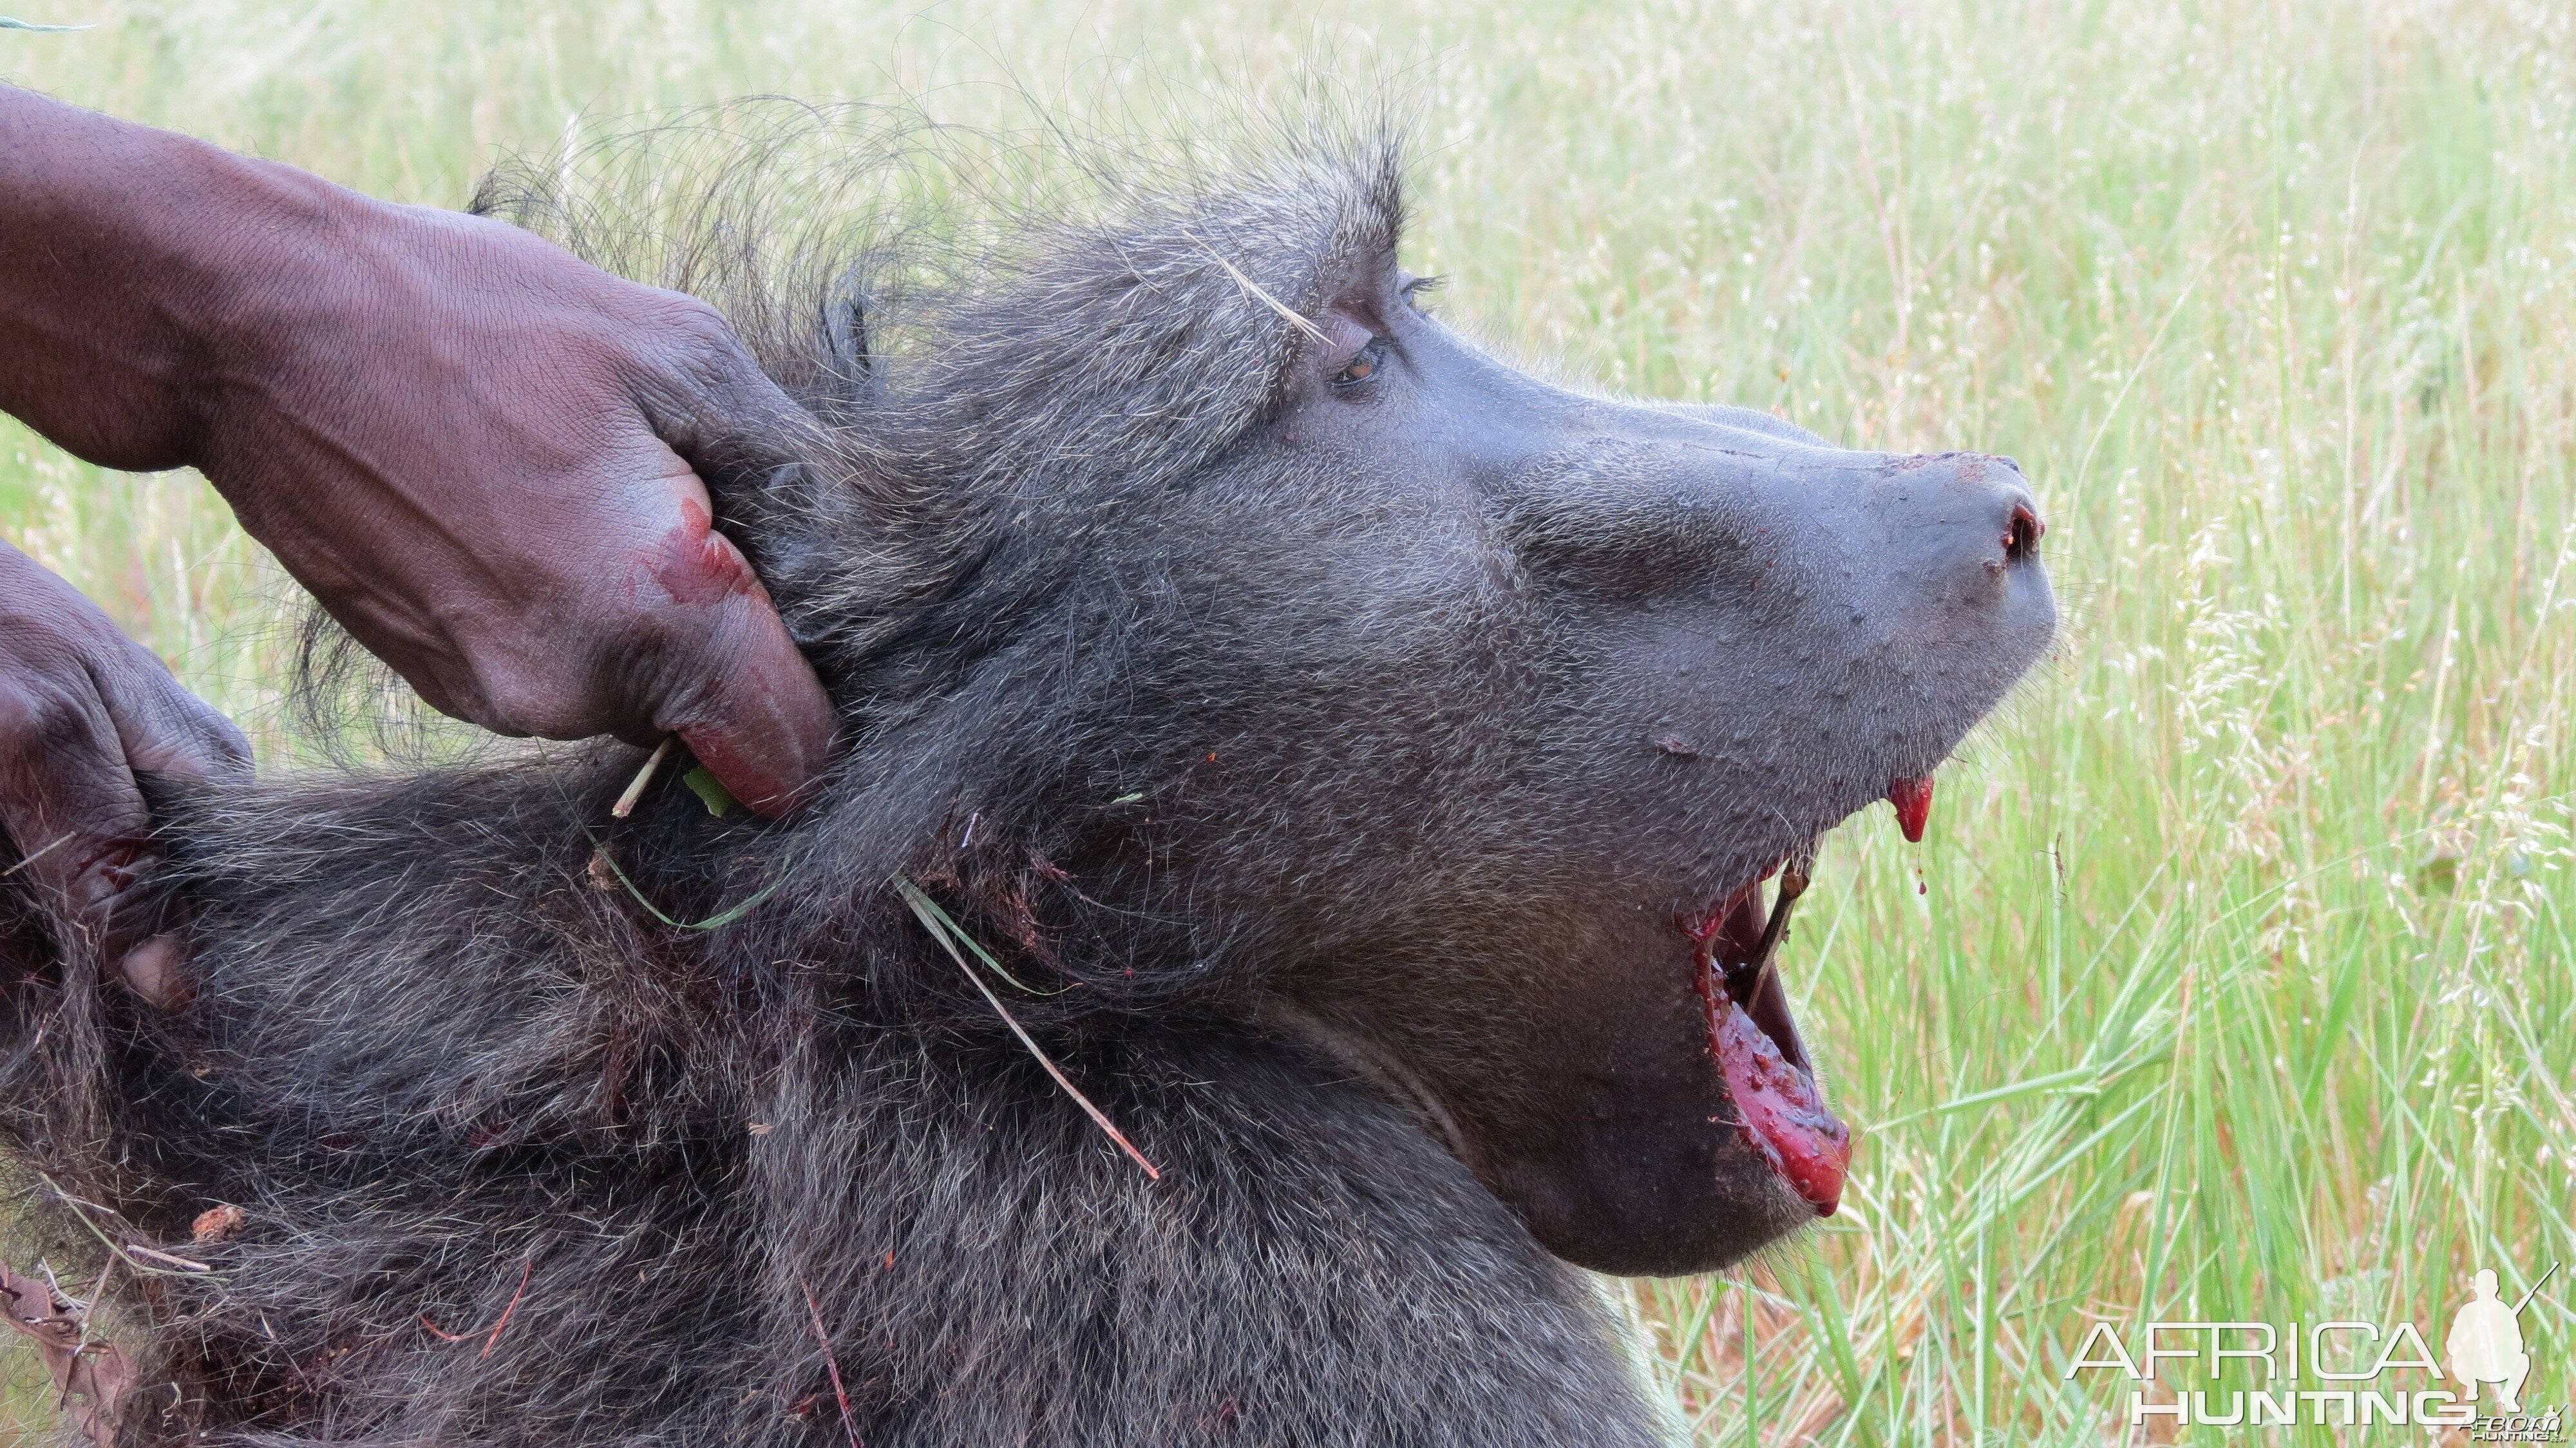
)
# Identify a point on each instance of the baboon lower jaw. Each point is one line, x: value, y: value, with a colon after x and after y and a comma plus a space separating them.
x: 1753, y: 1038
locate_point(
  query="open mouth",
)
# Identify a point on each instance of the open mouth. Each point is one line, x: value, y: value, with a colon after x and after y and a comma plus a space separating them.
x: 1754, y: 1038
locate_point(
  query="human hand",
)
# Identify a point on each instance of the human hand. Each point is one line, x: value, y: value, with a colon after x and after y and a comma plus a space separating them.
x: 487, y: 459
x: 484, y: 457
x: 84, y: 711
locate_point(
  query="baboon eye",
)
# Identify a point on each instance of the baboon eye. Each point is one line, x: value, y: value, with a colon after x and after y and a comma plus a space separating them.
x: 1362, y: 367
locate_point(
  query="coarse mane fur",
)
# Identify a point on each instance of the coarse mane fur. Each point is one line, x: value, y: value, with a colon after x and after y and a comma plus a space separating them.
x: 553, y: 1128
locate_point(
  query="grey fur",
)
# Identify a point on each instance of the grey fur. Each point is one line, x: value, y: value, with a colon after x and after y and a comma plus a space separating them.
x: 1056, y: 543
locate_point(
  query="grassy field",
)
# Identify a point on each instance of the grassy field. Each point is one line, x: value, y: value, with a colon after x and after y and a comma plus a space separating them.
x: 2237, y: 980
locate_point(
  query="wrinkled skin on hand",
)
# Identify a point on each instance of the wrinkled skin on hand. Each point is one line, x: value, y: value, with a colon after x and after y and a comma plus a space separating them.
x: 84, y: 711
x: 477, y: 452
x: 487, y: 459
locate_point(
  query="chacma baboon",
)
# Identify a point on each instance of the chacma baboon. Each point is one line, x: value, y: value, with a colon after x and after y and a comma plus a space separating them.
x: 1359, y: 758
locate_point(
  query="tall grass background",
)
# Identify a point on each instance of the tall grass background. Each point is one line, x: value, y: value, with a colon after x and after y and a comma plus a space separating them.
x: 2235, y: 979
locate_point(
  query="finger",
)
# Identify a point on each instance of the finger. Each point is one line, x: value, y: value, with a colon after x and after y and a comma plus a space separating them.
x: 167, y: 731
x: 748, y: 704
x: 87, y: 710
x: 735, y: 689
x: 60, y: 636
x: 70, y: 804
x: 729, y: 420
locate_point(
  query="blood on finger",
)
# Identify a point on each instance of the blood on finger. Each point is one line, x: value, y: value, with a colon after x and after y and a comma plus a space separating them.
x: 696, y: 565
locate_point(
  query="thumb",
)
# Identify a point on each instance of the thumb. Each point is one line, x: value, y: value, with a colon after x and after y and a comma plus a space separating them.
x: 743, y: 698
x: 739, y: 693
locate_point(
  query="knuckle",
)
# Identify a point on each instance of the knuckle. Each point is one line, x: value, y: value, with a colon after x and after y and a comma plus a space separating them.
x: 687, y: 328
x: 699, y: 321
x: 44, y: 720
x: 711, y: 351
x: 226, y: 746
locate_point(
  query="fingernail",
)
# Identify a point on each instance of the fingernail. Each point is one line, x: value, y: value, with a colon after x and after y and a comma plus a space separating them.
x: 157, y: 970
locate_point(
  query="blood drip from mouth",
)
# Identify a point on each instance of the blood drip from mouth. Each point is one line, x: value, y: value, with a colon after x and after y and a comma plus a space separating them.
x: 1778, y: 1107
x: 1913, y: 801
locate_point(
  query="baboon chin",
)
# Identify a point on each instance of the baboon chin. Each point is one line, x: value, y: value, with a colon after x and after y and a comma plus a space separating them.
x: 1353, y: 761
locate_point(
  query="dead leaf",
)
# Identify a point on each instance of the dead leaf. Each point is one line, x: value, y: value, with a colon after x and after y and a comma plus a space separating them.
x: 91, y: 1379
x: 217, y: 1223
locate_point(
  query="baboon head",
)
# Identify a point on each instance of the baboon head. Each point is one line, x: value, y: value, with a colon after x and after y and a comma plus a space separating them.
x: 1221, y: 631
x: 1506, y: 698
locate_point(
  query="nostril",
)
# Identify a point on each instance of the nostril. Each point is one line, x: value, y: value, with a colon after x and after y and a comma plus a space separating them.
x: 2022, y: 534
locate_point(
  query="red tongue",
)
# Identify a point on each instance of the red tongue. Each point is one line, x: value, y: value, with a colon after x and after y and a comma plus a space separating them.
x: 1776, y: 1101
x: 1913, y: 801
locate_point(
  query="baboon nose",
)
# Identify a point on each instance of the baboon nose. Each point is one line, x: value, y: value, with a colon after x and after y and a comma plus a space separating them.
x: 2022, y: 527
x: 1970, y: 514
x: 2022, y: 530
x: 2011, y: 532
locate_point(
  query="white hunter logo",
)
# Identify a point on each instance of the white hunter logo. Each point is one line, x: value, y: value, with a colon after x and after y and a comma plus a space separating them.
x: 2483, y: 1351
x: 2486, y: 1343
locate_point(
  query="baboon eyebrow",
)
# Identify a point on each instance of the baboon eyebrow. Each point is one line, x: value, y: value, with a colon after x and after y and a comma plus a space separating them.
x: 1411, y: 285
